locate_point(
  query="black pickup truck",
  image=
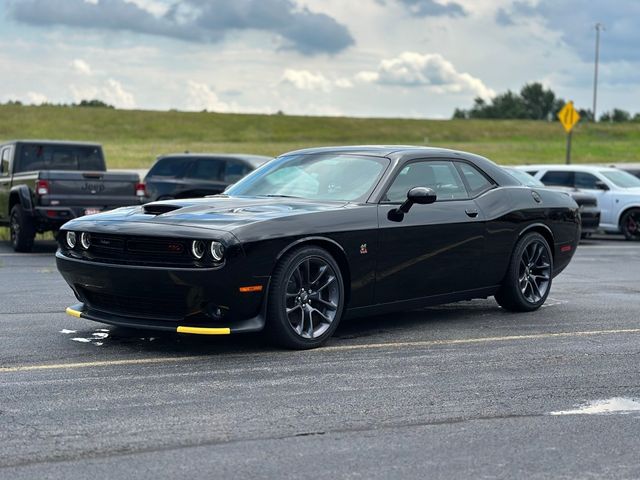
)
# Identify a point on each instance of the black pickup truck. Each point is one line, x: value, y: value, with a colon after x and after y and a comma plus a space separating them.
x: 43, y: 184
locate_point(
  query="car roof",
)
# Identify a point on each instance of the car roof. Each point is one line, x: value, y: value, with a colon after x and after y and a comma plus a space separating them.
x: 54, y: 142
x: 403, y: 153
x: 253, y: 159
x: 375, y: 150
x: 568, y: 168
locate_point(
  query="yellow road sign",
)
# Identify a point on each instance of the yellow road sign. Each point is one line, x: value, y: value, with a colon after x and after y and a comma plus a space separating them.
x: 568, y: 116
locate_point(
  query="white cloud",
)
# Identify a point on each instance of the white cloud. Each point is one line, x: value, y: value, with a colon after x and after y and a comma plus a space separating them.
x: 115, y: 94
x: 310, y: 81
x: 344, y: 83
x: 367, y: 77
x: 431, y: 70
x: 111, y: 92
x: 201, y: 97
x: 81, y: 67
x: 36, y: 98
x: 306, y: 80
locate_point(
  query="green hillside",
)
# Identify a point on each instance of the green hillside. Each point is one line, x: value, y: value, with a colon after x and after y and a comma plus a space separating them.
x: 132, y: 139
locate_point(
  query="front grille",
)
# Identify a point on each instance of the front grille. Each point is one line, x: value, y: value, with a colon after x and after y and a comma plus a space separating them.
x: 130, y: 250
x: 168, y: 306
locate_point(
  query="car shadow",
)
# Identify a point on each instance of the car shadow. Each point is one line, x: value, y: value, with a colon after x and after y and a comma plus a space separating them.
x: 376, y: 329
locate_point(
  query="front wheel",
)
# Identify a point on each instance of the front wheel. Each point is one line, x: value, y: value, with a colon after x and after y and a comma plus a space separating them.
x: 528, y: 280
x: 630, y: 224
x: 306, y: 299
x: 22, y: 230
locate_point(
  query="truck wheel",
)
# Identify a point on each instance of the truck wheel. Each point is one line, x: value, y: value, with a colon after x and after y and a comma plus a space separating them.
x: 22, y: 230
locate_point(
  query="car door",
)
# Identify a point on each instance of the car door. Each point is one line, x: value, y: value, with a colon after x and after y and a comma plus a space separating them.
x: 589, y: 183
x: 5, y: 182
x: 434, y: 249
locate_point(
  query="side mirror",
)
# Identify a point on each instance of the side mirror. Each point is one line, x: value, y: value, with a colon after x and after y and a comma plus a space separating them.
x: 600, y: 185
x: 419, y: 195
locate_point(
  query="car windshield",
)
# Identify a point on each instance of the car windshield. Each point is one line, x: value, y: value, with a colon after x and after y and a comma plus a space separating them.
x: 622, y: 179
x: 524, y: 178
x: 337, y: 177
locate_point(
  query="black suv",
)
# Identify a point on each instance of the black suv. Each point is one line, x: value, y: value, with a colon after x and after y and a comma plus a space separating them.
x: 189, y: 175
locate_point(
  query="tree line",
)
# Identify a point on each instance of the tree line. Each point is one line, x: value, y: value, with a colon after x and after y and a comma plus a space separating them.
x: 534, y: 102
x: 83, y: 103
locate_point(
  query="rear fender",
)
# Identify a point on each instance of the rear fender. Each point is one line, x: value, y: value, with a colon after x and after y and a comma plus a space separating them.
x: 20, y: 194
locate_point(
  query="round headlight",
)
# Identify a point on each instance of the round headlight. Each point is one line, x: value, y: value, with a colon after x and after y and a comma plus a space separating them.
x: 71, y: 239
x: 217, y: 251
x: 85, y: 240
x: 197, y: 249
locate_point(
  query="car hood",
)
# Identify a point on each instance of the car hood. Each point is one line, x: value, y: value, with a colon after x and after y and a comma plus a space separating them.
x: 629, y: 192
x: 218, y: 212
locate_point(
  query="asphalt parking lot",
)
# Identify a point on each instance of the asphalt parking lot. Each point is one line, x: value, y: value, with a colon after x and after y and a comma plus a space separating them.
x: 462, y: 390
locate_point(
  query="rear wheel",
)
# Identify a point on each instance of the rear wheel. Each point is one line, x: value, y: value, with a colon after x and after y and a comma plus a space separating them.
x: 528, y: 280
x: 21, y: 229
x: 306, y: 299
x: 630, y: 224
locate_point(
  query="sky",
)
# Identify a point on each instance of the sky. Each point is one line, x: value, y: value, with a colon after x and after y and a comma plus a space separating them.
x: 373, y: 58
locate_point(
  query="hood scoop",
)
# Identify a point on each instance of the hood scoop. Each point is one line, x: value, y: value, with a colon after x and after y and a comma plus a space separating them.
x: 159, y: 208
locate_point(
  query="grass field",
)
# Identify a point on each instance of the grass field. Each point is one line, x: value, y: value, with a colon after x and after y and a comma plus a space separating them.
x: 132, y: 139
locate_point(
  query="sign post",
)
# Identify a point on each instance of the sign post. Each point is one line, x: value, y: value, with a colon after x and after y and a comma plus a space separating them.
x: 568, y: 117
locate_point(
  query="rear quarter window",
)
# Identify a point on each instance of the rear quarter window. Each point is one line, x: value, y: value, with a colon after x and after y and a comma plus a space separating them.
x: 476, y: 181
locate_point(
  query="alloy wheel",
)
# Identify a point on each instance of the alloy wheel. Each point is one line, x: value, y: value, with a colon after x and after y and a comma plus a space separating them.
x: 312, y: 297
x: 535, y: 272
x: 632, y: 224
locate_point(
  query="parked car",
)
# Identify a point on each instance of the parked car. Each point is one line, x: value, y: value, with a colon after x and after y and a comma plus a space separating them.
x: 618, y: 192
x: 44, y: 183
x: 318, y: 234
x: 191, y: 175
x: 589, y: 211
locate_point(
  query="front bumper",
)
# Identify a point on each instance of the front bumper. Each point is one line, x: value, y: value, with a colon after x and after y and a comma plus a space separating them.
x: 160, y: 298
x: 81, y: 310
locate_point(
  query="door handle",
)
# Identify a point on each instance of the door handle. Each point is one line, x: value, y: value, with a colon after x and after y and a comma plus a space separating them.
x: 471, y: 212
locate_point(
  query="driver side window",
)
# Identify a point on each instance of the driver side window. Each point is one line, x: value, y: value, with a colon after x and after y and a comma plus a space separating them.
x: 442, y: 177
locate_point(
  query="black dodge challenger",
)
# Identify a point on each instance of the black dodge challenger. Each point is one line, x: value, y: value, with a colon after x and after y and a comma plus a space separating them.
x: 319, y: 234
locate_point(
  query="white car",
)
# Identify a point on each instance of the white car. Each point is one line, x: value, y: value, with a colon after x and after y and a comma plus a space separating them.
x: 618, y: 192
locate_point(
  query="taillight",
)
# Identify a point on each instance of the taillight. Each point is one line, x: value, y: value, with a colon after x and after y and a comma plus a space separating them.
x: 141, y: 190
x: 42, y: 187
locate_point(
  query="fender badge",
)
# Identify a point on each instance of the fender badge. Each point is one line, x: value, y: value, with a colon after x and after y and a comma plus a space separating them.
x: 363, y: 249
x: 536, y: 197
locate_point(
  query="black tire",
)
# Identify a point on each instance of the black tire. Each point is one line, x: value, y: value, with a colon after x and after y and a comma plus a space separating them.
x: 630, y: 224
x: 528, y: 280
x: 22, y: 230
x: 295, y: 301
